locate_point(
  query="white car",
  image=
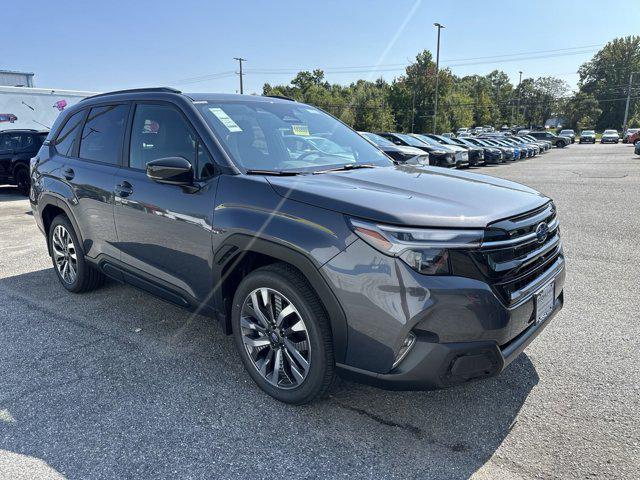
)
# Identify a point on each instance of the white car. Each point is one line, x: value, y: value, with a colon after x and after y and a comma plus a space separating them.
x: 610, y: 136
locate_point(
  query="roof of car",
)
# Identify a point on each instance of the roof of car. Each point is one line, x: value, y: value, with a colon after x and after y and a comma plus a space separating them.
x: 193, y: 96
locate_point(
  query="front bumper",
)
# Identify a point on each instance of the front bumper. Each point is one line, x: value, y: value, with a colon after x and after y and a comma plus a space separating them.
x: 431, y: 366
x: 463, y: 330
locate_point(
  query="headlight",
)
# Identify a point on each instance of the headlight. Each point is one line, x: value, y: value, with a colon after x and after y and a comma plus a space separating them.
x: 438, y: 152
x: 426, y: 250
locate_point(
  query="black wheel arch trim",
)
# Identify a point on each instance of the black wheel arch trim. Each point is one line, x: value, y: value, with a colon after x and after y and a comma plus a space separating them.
x: 241, y: 243
x: 50, y: 199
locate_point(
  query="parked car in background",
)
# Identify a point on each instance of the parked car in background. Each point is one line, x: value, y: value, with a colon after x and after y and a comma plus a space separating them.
x: 476, y: 154
x: 399, y: 153
x: 557, y: 141
x: 521, y: 152
x: 569, y: 133
x: 509, y: 153
x: 16, y: 149
x: 610, y: 136
x: 461, y: 153
x: 544, y: 145
x: 636, y: 148
x: 404, y: 276
x: 587, y: 136
x: 449, y: 135
x: 465, y: 135
x: 492, y: 155
x: 462, y: 130
x: 439, y: 156
x: 628, y: 133
x: 634, y: 138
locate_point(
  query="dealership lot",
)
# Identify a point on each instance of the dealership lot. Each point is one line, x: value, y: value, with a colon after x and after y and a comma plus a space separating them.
x: 118, y: 384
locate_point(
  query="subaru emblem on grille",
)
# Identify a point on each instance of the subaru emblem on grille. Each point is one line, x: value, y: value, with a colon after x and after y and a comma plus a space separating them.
x: 542, y: 231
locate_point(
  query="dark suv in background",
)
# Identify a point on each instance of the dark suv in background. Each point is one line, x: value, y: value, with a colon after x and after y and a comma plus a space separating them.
x: 16, y: 149
x: 556, y: 140
x: 317, y: 256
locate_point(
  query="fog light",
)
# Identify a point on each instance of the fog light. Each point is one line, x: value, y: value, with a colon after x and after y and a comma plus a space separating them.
x: 409, y: 341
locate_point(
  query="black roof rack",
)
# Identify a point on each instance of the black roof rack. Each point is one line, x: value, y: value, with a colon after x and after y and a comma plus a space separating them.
x: 138, y: 90
x: 281, y: 97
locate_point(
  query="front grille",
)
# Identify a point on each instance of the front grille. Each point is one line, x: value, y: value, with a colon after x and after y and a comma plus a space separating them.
x: 513, y: 257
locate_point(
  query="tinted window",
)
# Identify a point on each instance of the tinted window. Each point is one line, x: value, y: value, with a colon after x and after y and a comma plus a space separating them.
x: 11, y: 141
x: 160, y: 131
x: 102, y: 133
x: 66, y: 139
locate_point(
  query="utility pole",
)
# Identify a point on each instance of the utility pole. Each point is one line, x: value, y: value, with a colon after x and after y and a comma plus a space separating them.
x: 519, y: 95
x: 626, y: 108
x: 413, y: 109
x: 435, y: 109
x: 240, y: 60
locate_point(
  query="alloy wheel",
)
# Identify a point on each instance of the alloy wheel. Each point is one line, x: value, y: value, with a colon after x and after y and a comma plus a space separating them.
x: 275, y: 338
x: 64, y: 254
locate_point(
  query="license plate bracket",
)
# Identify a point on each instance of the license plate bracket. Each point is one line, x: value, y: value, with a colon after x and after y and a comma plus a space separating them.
x: 544, y: 301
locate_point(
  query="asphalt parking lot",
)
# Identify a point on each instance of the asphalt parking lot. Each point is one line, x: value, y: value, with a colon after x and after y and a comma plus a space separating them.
x: 118, y: 384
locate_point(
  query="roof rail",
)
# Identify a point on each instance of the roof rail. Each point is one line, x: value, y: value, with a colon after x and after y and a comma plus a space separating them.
x: 137, y: 90
x: 281, y: 97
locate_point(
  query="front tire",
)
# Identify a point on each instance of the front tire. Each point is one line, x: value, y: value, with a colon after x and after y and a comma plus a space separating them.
x: 73, y: 271
x: 282, y: 334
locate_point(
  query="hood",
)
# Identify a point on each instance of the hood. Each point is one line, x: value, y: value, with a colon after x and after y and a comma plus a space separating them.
x: 403, y: 149
x: 412, y: 195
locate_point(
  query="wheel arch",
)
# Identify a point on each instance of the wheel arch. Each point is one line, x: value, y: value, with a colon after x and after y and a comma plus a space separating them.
x: 241, y: 254
x: 50, y: 207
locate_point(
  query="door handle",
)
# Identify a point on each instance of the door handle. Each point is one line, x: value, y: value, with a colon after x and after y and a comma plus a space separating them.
x: 123, y: 189
x: 69, y: 173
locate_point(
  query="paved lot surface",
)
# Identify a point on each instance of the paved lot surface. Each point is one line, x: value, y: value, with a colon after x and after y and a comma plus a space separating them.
x: 117, y: 384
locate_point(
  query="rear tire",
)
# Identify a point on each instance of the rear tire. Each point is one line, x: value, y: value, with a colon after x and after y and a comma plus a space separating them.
x: 73, y: 270
x: 291, y: 359
x: 21, y: 177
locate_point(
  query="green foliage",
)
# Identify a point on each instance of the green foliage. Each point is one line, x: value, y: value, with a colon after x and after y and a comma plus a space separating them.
x: 606, y: 77
x: 407, y: 103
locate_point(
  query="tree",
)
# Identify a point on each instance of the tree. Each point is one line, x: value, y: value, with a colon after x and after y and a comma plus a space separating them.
x: 606, y: 78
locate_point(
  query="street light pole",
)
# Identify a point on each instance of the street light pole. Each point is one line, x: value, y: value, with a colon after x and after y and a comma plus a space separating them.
x: 519, y: 95
x: 435, y: 109
x: 626, y: 108
x: 240, y: 60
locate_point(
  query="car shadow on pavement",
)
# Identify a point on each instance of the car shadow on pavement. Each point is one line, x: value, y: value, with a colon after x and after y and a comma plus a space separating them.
x: 118, y: 384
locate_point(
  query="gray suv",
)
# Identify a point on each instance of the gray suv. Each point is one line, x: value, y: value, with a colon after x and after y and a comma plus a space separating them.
x: 313, y: 249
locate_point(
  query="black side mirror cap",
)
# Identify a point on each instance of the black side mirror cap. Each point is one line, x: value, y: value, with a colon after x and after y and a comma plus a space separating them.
x: 171, y: 170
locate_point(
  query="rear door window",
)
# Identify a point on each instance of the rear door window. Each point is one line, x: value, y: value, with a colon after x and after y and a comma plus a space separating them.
x: 68, y: 136
x: 102, y: 134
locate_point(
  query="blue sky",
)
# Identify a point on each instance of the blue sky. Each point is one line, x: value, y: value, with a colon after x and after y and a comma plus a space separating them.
x: 99, y: 46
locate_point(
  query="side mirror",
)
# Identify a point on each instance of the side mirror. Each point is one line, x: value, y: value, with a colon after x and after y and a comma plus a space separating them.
x: 172, y: 170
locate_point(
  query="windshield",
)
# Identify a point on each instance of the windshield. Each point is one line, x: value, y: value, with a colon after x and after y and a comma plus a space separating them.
x: 429, y: 140
x: 377, y: 139
x: 566, y: 131
x: 410, y: 140
x: 286, y: 136
x: 588, y: 132
x: 610, y: 132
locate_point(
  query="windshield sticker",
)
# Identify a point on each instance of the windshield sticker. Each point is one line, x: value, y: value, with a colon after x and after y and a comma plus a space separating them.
x: 302, y: 130
x: 226, y: 120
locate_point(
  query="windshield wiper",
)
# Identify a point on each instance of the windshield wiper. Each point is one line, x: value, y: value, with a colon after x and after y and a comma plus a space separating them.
x: 282, y: 173
x: 348, y: 166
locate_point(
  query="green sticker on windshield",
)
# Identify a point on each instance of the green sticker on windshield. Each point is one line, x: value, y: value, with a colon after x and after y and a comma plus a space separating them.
x: 226, y: 120
x: 300, y: 130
